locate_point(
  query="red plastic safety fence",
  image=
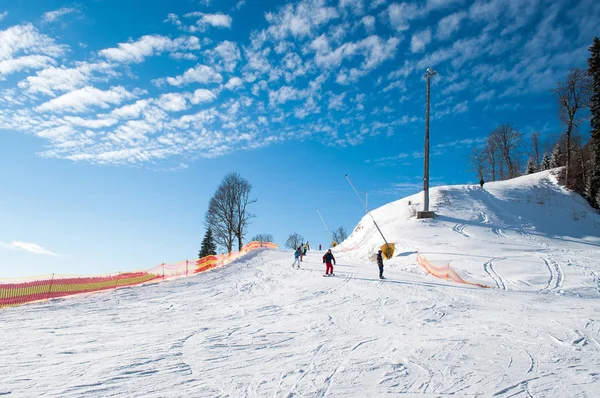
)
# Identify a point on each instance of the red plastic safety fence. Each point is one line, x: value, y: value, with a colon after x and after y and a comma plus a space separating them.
x: 27, y: 290
x: 444, y: 272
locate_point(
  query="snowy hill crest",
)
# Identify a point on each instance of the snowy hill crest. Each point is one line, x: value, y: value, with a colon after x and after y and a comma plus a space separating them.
x: 510, y: 234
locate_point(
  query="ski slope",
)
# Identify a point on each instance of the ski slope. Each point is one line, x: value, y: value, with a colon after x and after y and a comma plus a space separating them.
x: 258, y: 327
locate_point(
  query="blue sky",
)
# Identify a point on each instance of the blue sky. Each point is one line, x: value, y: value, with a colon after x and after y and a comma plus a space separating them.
x: 118, y: 119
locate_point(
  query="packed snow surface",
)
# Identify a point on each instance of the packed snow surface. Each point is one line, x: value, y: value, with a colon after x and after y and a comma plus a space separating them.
x: 258, y: 327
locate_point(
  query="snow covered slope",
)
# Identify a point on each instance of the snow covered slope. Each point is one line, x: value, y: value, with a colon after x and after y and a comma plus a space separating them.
x: 528, y: 233
x: 259, y: 328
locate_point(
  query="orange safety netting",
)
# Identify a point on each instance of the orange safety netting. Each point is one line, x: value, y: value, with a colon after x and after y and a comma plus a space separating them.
x: 27, y: 290
x: 444, y: 272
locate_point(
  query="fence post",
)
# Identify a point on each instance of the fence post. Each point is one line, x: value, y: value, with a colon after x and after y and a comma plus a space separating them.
x: 186, y: 267
x: 50, y: 287
x: 117, y: 282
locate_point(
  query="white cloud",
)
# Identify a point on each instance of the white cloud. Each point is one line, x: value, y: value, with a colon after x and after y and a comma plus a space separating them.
x: 449, y: 24
x: 82, y: 99
x: 465, y: 142
x: 377, y: 51
x: 373, y: 4
x: 52, y: 16
x: 234, y: 83
x: 60, y: 133
x: 420, y: 40
x: 373, y: 48
x: 484, y: 96
x: 484, y: 10
x: 172, y: 102
x: 136, y: 51
x: 283, y: 95
x: 439, y: 4
x: 131, y: 111
x: 401, y: 14
x: 218, y: 20
x: 299, y: 20
x: 28, y: 247
x: 176, y: 102
x: 456, y: 87
x: 521, y: 12
x: 224, y: 56
x: 56, y: 79
x: 198, y: 74
x: 258, y: 60
x: 461, y: 107
x: 24, y: 63
x: 356, y: 6
x: 369, y: 23
x: 461, y: 51
x: 202, y: 95
x: 23, y: 47
x: 186, y: 56
x: 399, y: 84
x: 336, y: 101
x: 91, y: 123
x: 3, y: 15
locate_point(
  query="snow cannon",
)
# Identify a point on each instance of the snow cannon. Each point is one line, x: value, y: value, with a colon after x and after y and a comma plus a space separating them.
x: 387, y: 250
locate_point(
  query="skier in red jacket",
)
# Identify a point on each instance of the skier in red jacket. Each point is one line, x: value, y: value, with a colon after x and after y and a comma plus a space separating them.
x: 327, y: 259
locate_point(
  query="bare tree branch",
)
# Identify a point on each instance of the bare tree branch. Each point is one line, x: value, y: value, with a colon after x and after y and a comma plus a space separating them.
x: 507, y: 140
x: 293, y: 241
x: 573, y: 97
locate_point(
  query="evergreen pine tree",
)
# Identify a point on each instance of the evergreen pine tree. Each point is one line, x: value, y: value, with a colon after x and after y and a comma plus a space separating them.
x: 530, y: 167
x: 593, y: 183
x: 208, y: 248
x: 545, y: 162
x: 557, y: 158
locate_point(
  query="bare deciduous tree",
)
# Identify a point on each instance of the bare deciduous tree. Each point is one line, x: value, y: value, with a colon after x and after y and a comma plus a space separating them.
x: 490, y: 153
x: 227, y: 212
x: 293, y: 241
x: 263, y: 238
x: 478, y: 162
x: 242, y: 199
x: 340, y: 234
x: 507, y: 140
x: 573, y: 97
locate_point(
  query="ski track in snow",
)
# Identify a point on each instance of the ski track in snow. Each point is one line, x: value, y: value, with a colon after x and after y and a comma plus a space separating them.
x: 460, y: 229
x: 483, y: 218
x: 489, y: 269
x: 498, y: 231
x: 555, y: 280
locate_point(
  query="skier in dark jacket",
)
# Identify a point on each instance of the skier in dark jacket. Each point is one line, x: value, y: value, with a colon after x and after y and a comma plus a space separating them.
x: 296, y: 258
x: 481, y: 183
x: 380, y: 264
x: 327, y: 259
